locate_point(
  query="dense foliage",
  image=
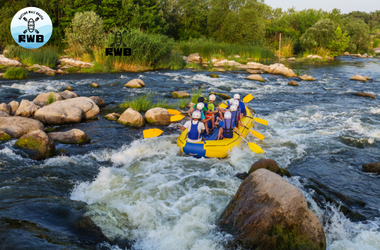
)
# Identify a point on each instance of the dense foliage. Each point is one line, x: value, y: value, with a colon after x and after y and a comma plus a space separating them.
x: 235, y: 22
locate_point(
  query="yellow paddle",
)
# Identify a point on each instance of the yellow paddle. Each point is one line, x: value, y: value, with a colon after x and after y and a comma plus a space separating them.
x: 174, y: 112
x: 261, y: 121
x: 176, y: 118
x: 153, y: 132
x: 253, y: 147
x: 255, y: 133
x: 247, y: 98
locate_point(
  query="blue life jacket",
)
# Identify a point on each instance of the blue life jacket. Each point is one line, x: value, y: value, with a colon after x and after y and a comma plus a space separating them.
x: 228, y: 128
x: 242, y: 108
x: 235, y: 116
x: 194, y: 133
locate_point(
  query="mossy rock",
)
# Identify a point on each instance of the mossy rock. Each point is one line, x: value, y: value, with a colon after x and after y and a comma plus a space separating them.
x: 224, y: 96
x: 49, y: 129
x: 69, y: 88
x: 29, y: 143
x: 94, y: 85
x: 214, y: 75
x: 180, y: 94
x: 4, y: 136
x: 37, y: 145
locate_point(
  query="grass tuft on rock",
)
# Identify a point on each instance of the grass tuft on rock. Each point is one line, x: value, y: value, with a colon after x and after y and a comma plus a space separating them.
x: 144, y: 103
x: 51, y: 98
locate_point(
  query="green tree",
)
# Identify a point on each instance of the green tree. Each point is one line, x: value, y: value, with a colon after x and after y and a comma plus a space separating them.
x: 85, y: 32
x: 319, y: 35
x: 359, y: 34
x: 193, y: 18
x: 340, y: 43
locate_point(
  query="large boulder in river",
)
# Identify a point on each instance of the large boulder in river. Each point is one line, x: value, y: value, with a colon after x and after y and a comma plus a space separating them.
x: 14, y: 106
x: 132, y: 118
x: 5, y: 108
x: 255, y: 77
x: 98, y: 101
x: 17, y: 126
x: 135, y: 83
x: 372, y: 167
x: 67, y: 111
x: 269, y: 164
x: 38, y: 145
x: 358, y: 78
x: 74, y: 136
x: 279, y: 69
x: 43, y: 99
x: 67, y: 94
x: 158, y: 116
x: 26, y: 108
x: 266, y: 210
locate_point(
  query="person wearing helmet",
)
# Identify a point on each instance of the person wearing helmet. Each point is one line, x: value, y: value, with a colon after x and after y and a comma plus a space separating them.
x: 194, y: 128
x: 235, y: 112
x: 206, y: 115
x: 227, y: 127
x: 241, y: 105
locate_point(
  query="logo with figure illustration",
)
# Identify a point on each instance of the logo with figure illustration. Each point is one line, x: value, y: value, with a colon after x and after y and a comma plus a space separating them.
x: 31, y: 28
x: 118, y: 41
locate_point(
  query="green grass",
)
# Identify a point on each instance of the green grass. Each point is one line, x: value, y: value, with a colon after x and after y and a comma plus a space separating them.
x: 97, y: 68
x: 47, y: 56
x: 51, y: 98
x: 183, y: 102
x: 15, y: 73
x: 174, y: 61
x: 207, y: 48
x: 144, y: 103
x: 195, y: 95
x: 72, y: 69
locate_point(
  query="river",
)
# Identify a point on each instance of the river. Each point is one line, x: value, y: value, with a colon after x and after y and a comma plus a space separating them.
x: 145, y: 191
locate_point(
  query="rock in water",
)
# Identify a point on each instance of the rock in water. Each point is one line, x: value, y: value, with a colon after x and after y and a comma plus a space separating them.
x: 69, y: 88
x: 214, y: 75
x: 293, y: 83
x: 306, y: 78
x: 4, y: 136
x: 112, y: 116
x: 67, y: 94
x: 132, y: 118
x: 158, y: 116
x: 372, y: 167
x: 268, y: 212
x: 67, y: 111
x: 255, y: 77
x: 3, y: 114
x: 365, y: 95
x: 358, y: 78
x: 18, y: 126
x: 14, y: 106
x: 98, y: 101
x: 74, y: 136
x: 94, y: 85
x: 38, y: 145
x: 271, y: 165
x: 26, y: 108
x: 180, y: 94
x: 135, y: 83
x: 5, y: 108
x: 42, y: 99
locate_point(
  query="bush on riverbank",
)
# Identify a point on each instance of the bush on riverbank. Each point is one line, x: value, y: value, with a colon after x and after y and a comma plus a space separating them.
x: 47, y: 56
x: 15, y: 73
x: 144, y: 103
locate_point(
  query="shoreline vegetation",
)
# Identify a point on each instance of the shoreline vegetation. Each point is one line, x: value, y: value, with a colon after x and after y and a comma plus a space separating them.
x: 248, y: 33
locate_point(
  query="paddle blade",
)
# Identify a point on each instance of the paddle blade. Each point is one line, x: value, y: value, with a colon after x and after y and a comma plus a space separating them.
x: 153, y: 132
x: 257, y: 134
x: 176, y: 118
x: 261, y: 121
x: 223, y: 105
x: 255, y: 148
x: 247, y: 98
x: 174, y: 112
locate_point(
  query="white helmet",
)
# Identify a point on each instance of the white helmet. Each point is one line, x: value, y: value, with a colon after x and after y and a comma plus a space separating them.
x: 227, y: 115
x: 236, y: 96
x: 212, y: 97
x: 236, y: 102
x: 196, y: 114
x: 200, y: 106
x: 233, y: 108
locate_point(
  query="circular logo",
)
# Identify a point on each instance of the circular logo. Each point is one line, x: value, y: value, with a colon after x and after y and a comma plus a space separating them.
x: 31, y: 28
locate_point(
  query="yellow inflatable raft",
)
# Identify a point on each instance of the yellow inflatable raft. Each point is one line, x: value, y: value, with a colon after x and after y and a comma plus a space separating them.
x: 215, y: 148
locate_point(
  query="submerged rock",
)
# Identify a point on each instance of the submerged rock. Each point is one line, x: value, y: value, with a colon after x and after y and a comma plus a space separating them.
x: 67, y: 111
x: 255, y: 77
x: 132, y: 118
x: 158, y: 116
x: 98, y: 101
x: 135, y: 83
x: 365, y: 95
x: 271, y: 165
x: 42, y: 99
x: 39, y: 145
x: 372, y: 167
x: 74, y: 136
x: 293, y: 83
x: 17, y: 126
x: 112, y: 116
x: 180, y: 94
x: 266, y: 210
x: 214, y: 75
x: 94, y: 85
x: 26, y: 108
